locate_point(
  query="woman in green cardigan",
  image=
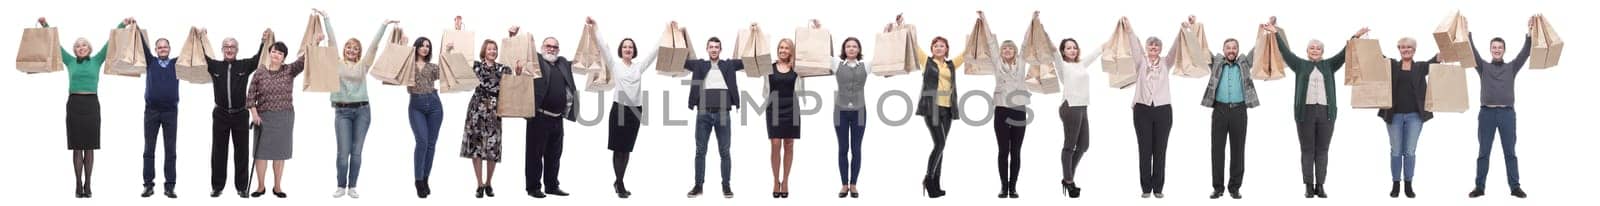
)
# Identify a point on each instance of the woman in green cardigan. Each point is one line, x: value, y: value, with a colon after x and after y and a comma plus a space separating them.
x: 1315, y: 106
x: 83, y: 107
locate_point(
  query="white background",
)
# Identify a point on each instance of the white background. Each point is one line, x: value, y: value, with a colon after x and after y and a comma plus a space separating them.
x: 1553, y: 147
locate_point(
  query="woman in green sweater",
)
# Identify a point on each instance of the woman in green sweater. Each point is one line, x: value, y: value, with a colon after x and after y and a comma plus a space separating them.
x: 83, y: 107
x: 1315, y: 106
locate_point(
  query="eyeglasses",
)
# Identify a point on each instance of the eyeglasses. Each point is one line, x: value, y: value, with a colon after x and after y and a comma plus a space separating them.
x: 552, y: 46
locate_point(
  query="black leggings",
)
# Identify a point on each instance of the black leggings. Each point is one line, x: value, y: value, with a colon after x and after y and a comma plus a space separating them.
x: 939, y: 128
x: 1009, y: 127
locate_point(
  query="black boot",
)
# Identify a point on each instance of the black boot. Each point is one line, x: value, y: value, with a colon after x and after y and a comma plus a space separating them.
x: 426, y: 190
x: 930, y: 187
x: 1005, y: 190
x: 1394, y: 191
x: 420, y: 193
x: 1322, y: 192
x: 1311, y: 191
x: 1013, y: 191
x: 1476, y: 192
x: 1409, y: 193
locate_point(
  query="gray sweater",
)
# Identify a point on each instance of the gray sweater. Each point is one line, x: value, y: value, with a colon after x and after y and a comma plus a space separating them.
x: 1498, y: 79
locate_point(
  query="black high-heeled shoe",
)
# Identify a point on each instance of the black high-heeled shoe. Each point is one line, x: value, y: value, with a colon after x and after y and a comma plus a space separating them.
x: 854, y: 194
x: 1073, y: 191
x: 479, y: 192
x: 622, y: 190
x: 488, y: 190
x: 78, y: 192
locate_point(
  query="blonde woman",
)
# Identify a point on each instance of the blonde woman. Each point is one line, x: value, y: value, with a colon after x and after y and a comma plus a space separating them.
x: 352, y: 115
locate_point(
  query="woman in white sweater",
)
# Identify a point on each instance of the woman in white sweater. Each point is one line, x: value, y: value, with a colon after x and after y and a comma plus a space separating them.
x: 1072, y: 70
x: 626, y: 111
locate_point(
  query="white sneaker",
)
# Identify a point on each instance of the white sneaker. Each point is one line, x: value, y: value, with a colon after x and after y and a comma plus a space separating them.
x: 339, y: 193
x: 352, y: 193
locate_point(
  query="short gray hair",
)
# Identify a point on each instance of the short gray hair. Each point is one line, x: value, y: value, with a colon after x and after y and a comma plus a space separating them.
x: 1153, y: 41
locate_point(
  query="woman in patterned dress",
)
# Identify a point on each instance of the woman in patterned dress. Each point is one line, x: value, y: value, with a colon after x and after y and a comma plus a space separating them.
x: 481, y: 141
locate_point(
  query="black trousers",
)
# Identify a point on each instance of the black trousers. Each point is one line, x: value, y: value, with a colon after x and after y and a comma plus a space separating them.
x: 543, y: 158
x: 1316, y: 130
x: 229, y: 126
x: 1228, y: 126
x: 1010, y: 125
x: 939, y: 128
x: 1152, y: 124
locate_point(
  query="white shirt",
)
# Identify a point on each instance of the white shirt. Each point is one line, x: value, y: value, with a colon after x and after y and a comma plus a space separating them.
x: 1316, y: 93
x: 1074, y: 77
x: 714, y: 78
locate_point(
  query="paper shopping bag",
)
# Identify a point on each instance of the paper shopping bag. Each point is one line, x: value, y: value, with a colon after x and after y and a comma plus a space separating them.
x: 1117, y: 60
x: 1367, y: 73
x: 322, y: 62
x: 1447, y: 88
x: 125, y: 52
x: 675, y: 50
x: 520, y: 48
x: 1547, y: 45
x: 754, y: 50
x: 1451, y: 36
x: 516, y: 96
x: 396, y: 55
x: 1364, y: 62
x: 599, y: 81
x: 40, y: 51
x: 979, y: 51
x: 192, y: 59
x: 1037, y: 47
x: 266, y: 48
x: 1193, y: 56
x: 813, y: 52
x: 895, y: 52
x: 1044, y: 80
x: 589, y: 57
x: 464, y: 41
x: 455, y: 73
x: 1268, y: 63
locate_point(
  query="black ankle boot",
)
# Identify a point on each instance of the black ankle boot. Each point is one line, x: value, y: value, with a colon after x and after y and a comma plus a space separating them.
x: 1311, y: 191
x: 1322, y: 192
x: 1394, y: 191
x: 1409, y: 193
x: 420, y: 192
x: 1073, y: 190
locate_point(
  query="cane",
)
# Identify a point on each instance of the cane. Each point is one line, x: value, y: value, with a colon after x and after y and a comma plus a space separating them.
x: 255, y: 129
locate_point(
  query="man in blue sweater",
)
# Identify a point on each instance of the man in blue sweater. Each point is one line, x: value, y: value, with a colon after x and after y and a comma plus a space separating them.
x: 160, y: 112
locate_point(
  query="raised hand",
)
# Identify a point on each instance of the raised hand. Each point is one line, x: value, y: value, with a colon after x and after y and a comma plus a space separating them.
x: 42, y: 22
x: 459, y: 25
x: 816, y: 24
x: 1362, y: 32
x: 514, y: 30
x: 589, y: 21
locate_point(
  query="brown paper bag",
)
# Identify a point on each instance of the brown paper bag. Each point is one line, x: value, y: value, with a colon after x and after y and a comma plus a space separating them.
x: 1118, y: 60
x: 1447, y: 88
x: 980, y: 56
x: 266, y: 50
x: 813, y: 52
x: 393, y: 60
x: 1193, y: 54
x: 516, y: 96
x: 1367, y: 73
x: 1046, y: 80
x: 322, y: 62
x: 675, y: 50
x: 600, y: 81
x: 753, y: 48
x: 589, y: 57
x: 520, y: 48
x: 1547, y: 45
x: 40, y: 51
x: 895, y: 52
x: 125, y: 52
x: 1451, y: 36
x: 192, y: 59
x: 1037, y: 47
x: 464, y: 41
x: 1268, y: 63
x: 322, y: 69
x: 455, y: 73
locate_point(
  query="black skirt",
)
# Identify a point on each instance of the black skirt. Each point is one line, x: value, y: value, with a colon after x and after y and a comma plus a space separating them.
x: 624, y: 130
x: 83, y: 122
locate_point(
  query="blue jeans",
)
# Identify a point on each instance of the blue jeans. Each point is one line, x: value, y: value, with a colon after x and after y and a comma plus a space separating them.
x: 426, y: 115
x: 849, y: 126
x: 705, y: 123
x: 350, y: 128
x: 1404, y: 130
x: 1504, y: 119
x: 166, y: 122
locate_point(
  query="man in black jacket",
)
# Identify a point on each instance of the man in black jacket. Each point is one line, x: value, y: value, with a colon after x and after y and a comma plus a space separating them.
x: 230, y: 120
x: 557, y: 97
x: 713, y: 91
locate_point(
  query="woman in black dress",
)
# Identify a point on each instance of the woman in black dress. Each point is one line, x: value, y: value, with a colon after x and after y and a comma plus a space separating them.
x: 783, y: 120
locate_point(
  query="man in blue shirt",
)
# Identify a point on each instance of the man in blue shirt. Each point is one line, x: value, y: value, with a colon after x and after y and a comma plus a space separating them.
x: 160, y: 114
